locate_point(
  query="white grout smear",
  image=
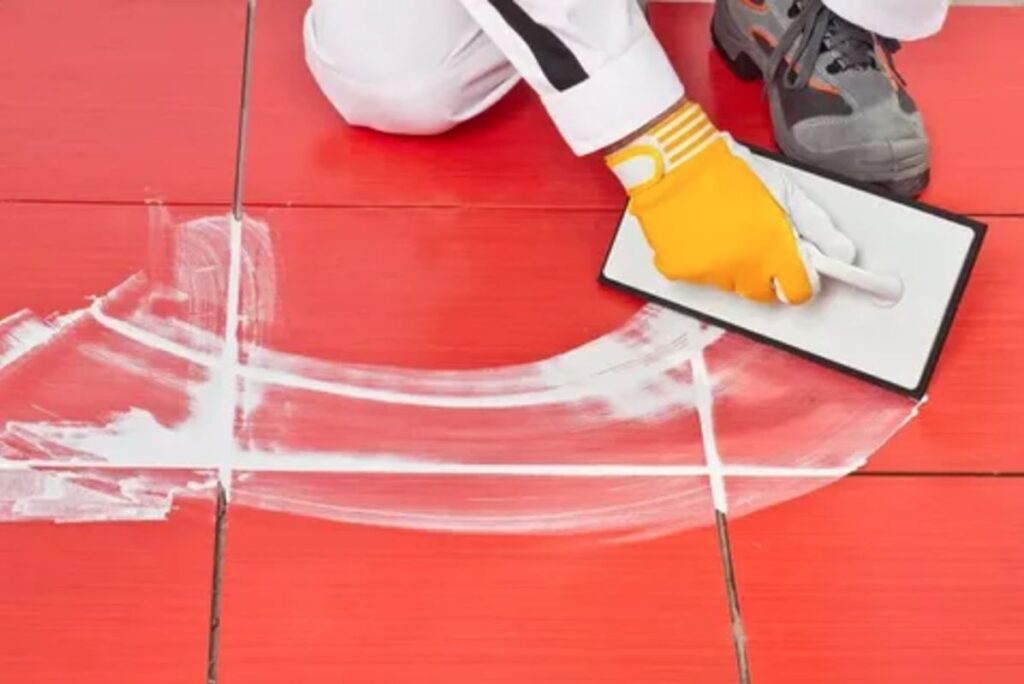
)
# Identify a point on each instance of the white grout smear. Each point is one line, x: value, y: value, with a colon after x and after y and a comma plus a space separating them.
x: 20, y: 334
x: 167, y: 374
x: 94, y: 495
x: 628, y: 371
x: 486, y: 505
x: 23, y: 332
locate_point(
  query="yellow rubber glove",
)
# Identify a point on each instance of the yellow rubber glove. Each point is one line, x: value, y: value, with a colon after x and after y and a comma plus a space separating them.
x: 716, y: 215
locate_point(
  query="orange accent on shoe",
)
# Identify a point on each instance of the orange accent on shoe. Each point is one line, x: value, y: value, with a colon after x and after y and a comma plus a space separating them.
x: 815, y: 82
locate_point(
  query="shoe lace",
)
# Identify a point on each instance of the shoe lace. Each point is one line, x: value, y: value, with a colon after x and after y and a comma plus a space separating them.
x: 821, y: 29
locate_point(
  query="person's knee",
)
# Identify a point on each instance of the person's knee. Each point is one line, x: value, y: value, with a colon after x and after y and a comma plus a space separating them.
x: 396, y: 93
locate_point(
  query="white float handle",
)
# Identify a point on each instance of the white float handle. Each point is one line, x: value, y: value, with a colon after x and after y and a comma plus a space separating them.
x: 887, y: 288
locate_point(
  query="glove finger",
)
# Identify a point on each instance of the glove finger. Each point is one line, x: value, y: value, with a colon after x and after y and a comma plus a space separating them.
x: 815, y: 226
x: 757, y: 289
x: 795, y: 281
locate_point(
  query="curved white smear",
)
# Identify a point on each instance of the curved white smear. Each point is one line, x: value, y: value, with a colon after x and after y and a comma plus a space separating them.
x: 602, y: 438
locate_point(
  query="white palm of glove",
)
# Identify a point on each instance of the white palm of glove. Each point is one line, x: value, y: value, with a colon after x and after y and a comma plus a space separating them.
x: 824, y: 248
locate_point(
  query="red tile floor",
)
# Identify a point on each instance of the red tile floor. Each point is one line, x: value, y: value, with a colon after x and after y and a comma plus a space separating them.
x: 910, y: 570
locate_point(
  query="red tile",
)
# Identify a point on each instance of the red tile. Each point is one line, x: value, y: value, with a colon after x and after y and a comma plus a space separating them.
x: 313, y: 600
x: 109, y: 601
x: 56, y: 256
x: 405, y: 563
x: 302, y: 152
x: 448, y: 334
x: 61, y: 368
x: 122, y: 587
x: 775, y: 409
x: 772, y: 408
x: 439, y: 288
x: 949, y: 76
x: 970, y: 110
x: 735, y: 106
x: 885, y: 580
x: 108, y: 100
x: 971, y: 421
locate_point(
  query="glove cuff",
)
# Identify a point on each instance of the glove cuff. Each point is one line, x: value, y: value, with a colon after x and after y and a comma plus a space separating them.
x: 664, y: 147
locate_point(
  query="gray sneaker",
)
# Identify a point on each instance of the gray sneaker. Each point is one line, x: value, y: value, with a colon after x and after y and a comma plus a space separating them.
x: 837, y: 101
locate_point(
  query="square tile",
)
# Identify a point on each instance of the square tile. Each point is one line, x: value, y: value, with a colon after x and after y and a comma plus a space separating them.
x: 368, y: 599
x: 444, y: 336
x: 110, y: 336
x: 119, y: 589
x: 884, y: 579
x: 113, y: 101
x: 971, y: 421
x: 107, y: 500
x: 301, y: 151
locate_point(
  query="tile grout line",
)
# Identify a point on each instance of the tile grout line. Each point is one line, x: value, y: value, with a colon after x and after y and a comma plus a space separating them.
x: 947, y: 474
x: 243, y: 117
x: 739, y: 635
x: 716, y: 476
x: 230, y: 357
x: 229, y: 366
x: 291, y: 464
x: 432, y: 206
x: 267, y: 463
x: 220, y: 523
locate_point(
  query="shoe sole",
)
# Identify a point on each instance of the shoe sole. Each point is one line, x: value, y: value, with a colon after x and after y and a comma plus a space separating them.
x: 906, y: 176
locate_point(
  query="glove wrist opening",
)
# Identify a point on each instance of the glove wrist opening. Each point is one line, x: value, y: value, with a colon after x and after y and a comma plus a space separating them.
x: 661, y: 149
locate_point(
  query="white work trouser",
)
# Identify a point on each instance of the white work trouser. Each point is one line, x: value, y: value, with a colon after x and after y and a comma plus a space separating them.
x: 423, y: 66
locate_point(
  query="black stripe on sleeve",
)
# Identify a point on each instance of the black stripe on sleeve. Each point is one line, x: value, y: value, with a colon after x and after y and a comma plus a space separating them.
x: 553, y: 56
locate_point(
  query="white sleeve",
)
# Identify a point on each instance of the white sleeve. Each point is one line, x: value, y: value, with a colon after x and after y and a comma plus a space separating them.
x: 902, y: 19
x: 596, y: 64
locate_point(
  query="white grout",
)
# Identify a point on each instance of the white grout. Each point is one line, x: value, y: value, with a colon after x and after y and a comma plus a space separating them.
x: 230, y: 356
x: 361, y: 464
x: 705, y: 404
x: 229, y: 369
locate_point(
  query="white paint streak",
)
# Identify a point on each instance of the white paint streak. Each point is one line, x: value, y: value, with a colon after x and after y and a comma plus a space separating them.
x: 22, y: 333
x: 643, y: 513
x: 133, y: 439
x: 610, y: 368
x: 92, y: 495
x: 176, y: 333
x: 149, y: 339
